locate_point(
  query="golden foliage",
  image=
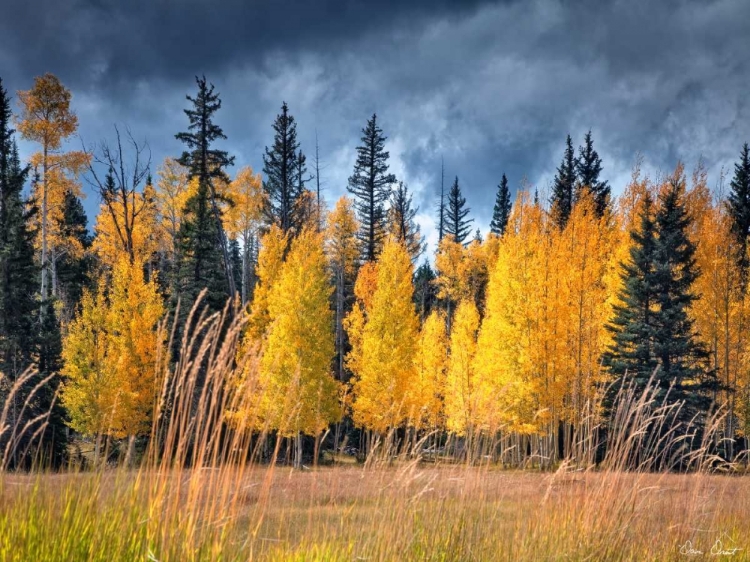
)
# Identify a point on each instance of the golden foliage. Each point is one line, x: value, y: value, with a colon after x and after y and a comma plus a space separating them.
x: 383, y: 333
x: 110, y: 354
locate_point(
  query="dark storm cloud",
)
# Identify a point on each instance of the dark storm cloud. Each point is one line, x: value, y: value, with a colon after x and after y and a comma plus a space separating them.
x: 489, y: 87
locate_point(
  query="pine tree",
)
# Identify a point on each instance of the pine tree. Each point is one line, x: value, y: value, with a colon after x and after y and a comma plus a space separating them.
x: 680, y: 355
x: 73, y: 268
x: 205, y: 250
x: 441, y: 203
x: 588, y: 166
x: 652, y: 328
x: 739, y: 209
x: 284, y: 167
x: 370, y: 184
x: 456, y: 223
x: 562, y: 189
x: 501, y: 212
x: 633, y: 326
x: 425, y: 291
x: 401, y: 223
x: 22, y: 340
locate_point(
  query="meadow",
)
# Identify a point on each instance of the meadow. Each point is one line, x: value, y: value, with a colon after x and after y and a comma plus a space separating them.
x: 406, y: 511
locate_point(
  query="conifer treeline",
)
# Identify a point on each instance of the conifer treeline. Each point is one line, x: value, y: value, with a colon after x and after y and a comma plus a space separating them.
x: 513, y: 335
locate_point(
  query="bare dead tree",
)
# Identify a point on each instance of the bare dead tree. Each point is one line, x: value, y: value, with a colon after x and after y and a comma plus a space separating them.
x: 120, y: 189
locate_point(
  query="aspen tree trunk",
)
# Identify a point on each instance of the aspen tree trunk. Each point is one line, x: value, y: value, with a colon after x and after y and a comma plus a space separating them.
x: 97, y: 449
x: 45, y: 187
x: 298, y: 451
x: 316, y: 450
x: 245, y: 259
x: 129, y: 451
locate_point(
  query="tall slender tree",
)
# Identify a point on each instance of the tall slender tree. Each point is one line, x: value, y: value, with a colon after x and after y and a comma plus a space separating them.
x: 739, y: 209
x: 203, y: 232
x: 441, y: 203
x: 284, y: 167
x: 456, y: 224
x: 370, y: 184
x: 37, y: 422
x: 204, y: 246
x: 46, y: 118
x: 588, y: 167
x: 562, y: 189
x: 501, y: 212
x: 401, y: 223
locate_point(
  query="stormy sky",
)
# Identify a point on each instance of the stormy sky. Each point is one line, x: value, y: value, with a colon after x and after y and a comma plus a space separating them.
x: 491, y: 87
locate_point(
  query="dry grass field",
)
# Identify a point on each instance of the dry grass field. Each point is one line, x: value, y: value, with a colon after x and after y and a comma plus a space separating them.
x: 402, y: 512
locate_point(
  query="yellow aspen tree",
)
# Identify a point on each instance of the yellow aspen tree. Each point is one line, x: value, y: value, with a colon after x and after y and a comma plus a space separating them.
x: 243, y: 219
x: 172, y: 190
x: 355, y: 321
x: 450, y: 268
x: 270, y: 261
x: 299, y: 394
x: 91, y: 388
x: 462, y: 389
x: 46, y: 118
x: 109, y: 355
x: 427, y: 389
x: 140, y: 243
x: 387, y: 344
x: 583, y: 255
x: 135, y: 310
x: 720, y: 314
x: 342, y: 248
x: 518, y: 388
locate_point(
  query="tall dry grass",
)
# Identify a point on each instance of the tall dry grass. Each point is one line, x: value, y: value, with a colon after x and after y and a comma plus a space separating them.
x: 201, y: 491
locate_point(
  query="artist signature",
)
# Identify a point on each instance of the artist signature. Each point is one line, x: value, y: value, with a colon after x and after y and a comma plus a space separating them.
x: 717, y: 549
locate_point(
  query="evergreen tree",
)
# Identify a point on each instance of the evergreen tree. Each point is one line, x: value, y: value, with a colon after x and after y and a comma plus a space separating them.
x: 456, y: 223
x: 588, y: 166
x: 425, y: 292
x: 501, y: 212
x: 202, y: 244
x: 235, y: 255
x: 46, y: 403
x: 370, y: 184
x: 634, y: 323
x: 401, y: 221
x: 73, y: 269
x: 652, y: 329
x: 739, y: 208
x: 284, y: 167
x: 202, y: 232
x: 441, y: 204
x: 562, y: 189
x: 680, y: 355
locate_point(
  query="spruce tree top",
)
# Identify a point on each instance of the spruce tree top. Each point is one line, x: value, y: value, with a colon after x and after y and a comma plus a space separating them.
x: 202, y: 161
x: 501, y: 212
x: 739, y: 204
x: 456, y: 224
x: 562, y: 189
x: 588, y: 167
x: 284, y: 168
x: 370, y: 183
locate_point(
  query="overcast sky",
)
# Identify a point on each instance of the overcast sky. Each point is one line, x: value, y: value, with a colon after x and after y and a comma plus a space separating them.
x: 491, y: 87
